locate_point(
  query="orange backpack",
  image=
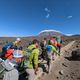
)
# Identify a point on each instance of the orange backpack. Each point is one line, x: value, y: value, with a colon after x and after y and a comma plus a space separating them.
x: 53, y: 41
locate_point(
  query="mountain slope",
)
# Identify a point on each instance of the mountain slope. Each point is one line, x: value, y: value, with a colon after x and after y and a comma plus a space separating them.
x: 50, y: 33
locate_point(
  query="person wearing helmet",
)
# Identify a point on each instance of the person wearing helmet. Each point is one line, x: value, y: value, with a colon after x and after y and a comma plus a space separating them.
x: 33, y: 60
x: 18, y: 56
x: 12, y: 66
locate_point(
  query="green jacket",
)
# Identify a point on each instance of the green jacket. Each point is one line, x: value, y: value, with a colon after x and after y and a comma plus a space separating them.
x: 54, y: 49
x: 34, y: 56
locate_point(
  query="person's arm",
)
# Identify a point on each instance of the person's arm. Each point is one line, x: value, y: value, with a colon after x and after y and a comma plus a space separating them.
x: 55, y: 50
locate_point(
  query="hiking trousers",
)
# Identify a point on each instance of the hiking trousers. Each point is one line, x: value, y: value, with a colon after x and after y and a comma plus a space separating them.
x: 11, y: 75
x: 31, y: 74
x: 49, y: 60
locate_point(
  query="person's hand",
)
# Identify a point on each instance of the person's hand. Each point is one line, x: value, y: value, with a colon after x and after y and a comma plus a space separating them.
x: 58, y: 54
x: 36, y: 71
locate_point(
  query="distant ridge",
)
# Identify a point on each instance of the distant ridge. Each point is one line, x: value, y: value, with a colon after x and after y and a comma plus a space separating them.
x: 50, y: 33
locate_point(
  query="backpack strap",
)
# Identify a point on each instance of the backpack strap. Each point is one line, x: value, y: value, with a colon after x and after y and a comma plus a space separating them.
x: 33, y: 49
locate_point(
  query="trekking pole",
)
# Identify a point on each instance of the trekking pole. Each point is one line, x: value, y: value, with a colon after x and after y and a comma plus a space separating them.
x: 1, y: 60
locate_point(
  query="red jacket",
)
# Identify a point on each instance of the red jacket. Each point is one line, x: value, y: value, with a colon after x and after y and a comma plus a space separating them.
x: 9, y: 53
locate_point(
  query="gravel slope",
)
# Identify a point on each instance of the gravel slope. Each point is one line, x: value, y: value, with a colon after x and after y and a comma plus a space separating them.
x: 65, y: 68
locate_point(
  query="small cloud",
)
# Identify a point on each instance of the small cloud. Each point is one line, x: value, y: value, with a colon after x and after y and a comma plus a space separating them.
x: 69, y: 34
x: 47, y: 10
x: 48, y: 15
x: 69, y: 17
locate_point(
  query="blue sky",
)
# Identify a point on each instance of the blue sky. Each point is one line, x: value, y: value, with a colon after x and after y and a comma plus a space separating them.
x: 29, y: 17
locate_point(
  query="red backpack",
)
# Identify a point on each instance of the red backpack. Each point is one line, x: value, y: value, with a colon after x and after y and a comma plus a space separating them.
x: 9, y: 53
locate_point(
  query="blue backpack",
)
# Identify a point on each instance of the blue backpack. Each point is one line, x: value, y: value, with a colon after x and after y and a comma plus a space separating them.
x: 49, y: 48
x: 8, y: 45
x: 4, y: 49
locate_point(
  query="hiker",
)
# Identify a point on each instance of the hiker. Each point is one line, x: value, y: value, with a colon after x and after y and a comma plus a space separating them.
x: 9, y: 53
x: 59, y: 42
x: 45, y: 41
x: 7, y: 46
x: 10, y: 66
x: 53, y: 41
x: 50, y: 49
x: 31, y: 63
x: 43, y: 47
x: 16, y: 53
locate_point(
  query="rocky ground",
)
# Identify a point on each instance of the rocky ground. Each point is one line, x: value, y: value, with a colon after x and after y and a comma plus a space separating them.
x: 65, y: 67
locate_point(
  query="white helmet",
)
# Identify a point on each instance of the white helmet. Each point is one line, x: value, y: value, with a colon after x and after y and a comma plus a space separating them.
x: 17, y: 54
x: 18, y: 39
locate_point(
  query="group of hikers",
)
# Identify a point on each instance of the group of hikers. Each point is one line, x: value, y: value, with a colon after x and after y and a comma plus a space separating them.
x: 16, y: 60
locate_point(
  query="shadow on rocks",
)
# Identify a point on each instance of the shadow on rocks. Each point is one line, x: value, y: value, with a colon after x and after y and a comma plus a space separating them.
x: 43, y: 67
x: 75, y: 55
